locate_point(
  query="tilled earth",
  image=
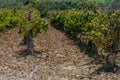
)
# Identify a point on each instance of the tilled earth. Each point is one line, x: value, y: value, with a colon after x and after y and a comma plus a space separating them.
x: 57, y: 58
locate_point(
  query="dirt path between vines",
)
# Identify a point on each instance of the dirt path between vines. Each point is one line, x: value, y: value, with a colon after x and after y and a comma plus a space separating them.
x: 58, y: 58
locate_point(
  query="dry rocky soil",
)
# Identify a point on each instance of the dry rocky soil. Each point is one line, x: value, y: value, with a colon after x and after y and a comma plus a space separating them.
x: 57, y: 58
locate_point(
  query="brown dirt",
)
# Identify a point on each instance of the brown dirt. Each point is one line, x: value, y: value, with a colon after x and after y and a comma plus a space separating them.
x: 57, y: 58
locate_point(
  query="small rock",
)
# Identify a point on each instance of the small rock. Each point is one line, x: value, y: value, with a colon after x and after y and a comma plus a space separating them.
x: 59, y: 55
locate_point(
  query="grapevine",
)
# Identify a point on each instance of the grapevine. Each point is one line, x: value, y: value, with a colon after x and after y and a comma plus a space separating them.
x: 29, y: 21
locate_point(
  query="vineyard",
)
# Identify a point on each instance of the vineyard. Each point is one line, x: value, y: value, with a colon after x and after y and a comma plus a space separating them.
x: 96, y: 29
x: 60, y: 40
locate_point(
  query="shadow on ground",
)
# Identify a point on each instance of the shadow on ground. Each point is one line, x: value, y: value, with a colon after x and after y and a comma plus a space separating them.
x: 22, y: 54
x: 103, y: 69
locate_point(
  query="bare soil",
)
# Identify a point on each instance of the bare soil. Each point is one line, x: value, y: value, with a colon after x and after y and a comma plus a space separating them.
x: 56, y: 58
